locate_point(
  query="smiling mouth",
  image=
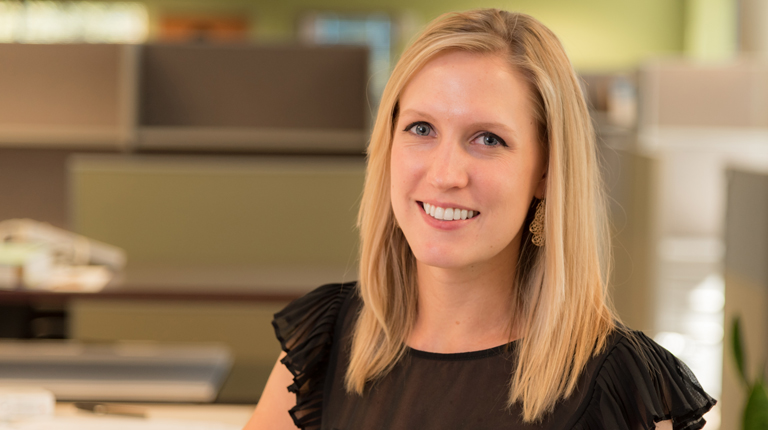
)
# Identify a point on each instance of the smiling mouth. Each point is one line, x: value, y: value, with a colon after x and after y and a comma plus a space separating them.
x: 448, y: 214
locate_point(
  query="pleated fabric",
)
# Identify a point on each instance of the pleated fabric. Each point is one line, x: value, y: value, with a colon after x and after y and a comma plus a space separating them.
x: 305, y: 331
x: 639, y: 384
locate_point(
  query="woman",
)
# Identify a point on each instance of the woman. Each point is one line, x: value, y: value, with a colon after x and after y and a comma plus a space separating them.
x: 482, y: 295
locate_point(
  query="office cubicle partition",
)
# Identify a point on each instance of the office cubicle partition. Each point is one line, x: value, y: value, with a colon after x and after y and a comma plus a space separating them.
x: 746, y: 282
x: 297, y: 98
x: 79, y: 96
x: 245, y: 98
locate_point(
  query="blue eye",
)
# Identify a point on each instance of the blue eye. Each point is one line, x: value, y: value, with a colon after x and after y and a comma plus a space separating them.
x: 490, y: 139
x: 420, y: 128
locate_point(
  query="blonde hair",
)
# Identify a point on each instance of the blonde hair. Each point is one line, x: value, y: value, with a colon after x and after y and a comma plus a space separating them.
x: 561, y: 296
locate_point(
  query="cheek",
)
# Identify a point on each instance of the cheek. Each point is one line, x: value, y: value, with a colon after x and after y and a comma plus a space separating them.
x: 508, y: 189
x: 398, y: 179
x: 404, y: 172
x: 395, y: 172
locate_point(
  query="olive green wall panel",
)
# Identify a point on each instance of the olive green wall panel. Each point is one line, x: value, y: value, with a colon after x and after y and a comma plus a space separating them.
x: 260, y: 221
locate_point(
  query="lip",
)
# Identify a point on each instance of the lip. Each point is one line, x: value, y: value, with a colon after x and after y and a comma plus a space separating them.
x: 441, y: 224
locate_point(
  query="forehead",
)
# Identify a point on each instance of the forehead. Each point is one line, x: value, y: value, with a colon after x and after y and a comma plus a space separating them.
x: 460, y: 84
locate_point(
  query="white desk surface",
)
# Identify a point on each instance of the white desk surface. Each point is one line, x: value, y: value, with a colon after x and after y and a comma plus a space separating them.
x: 158, y: 416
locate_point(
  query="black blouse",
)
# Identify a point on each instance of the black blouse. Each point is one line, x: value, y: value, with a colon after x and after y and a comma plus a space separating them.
x: 621, y: 389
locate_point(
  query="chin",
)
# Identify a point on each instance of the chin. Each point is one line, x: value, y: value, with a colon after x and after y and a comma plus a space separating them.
x: 441, y: 259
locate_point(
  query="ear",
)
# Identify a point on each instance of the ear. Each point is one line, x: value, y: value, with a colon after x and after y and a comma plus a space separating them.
x: 541, y: 187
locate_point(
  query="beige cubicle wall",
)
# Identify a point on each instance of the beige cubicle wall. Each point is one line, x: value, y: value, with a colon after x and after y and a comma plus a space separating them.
x: 746, y: 282
x: 683, y: 94
x: 245, y: 98
x: 79, y: 96
x: 33, y: 184
x: 630, y: 178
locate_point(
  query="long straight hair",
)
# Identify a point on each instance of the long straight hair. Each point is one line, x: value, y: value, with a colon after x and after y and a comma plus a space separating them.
x: 561, y: 288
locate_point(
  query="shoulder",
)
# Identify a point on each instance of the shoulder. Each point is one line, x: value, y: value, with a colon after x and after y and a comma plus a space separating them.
x: 636, y: 383
x: 323, y: 301
x: 305, y: 329
x: 308, y: 321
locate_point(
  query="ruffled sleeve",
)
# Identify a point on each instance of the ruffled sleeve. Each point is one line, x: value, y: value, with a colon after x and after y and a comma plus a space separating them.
x: 639, y: 384
x: 305, y: 331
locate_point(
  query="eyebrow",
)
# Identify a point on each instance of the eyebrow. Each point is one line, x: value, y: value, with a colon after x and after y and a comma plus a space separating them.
x: 483, y: 125
x: 415, y: 113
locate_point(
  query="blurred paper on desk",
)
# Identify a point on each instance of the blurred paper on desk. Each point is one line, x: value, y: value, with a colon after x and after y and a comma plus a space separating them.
x: 146, y: 372
x: 70, y: 247
x: 25, y: 402
x: 78, y: 279
x: 23, y: 264
x: 36, y: 255
x: 113, y: 423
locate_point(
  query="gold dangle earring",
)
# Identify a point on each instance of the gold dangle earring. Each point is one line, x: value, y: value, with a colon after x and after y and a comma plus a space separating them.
x: 537, y: 225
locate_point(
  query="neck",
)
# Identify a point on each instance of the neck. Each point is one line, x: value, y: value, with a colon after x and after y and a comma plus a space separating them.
x: 464, y: 309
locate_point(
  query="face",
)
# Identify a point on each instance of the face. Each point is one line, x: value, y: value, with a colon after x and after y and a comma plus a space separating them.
x: 465, y: 161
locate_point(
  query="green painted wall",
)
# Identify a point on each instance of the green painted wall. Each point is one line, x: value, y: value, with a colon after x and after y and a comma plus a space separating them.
x: 710, y: 30
x: 600, y: 35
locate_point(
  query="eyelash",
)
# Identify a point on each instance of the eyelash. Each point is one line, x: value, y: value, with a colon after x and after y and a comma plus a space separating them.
x: 410, y: 127
x: 484, y: 135
x: 498, y: 139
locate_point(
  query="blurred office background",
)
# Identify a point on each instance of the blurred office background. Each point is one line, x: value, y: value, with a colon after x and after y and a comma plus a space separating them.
x: 220, y: 144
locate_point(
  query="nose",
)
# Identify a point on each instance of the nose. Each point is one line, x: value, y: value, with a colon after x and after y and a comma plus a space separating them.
x: 449, y: 166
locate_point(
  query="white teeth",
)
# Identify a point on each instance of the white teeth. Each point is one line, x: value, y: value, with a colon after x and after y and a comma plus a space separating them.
x: 449, y: 214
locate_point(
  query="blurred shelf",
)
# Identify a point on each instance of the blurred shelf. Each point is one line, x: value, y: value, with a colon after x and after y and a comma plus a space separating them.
x: 127, y: 292
x: 251, y: 139
x: 53, y: 137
